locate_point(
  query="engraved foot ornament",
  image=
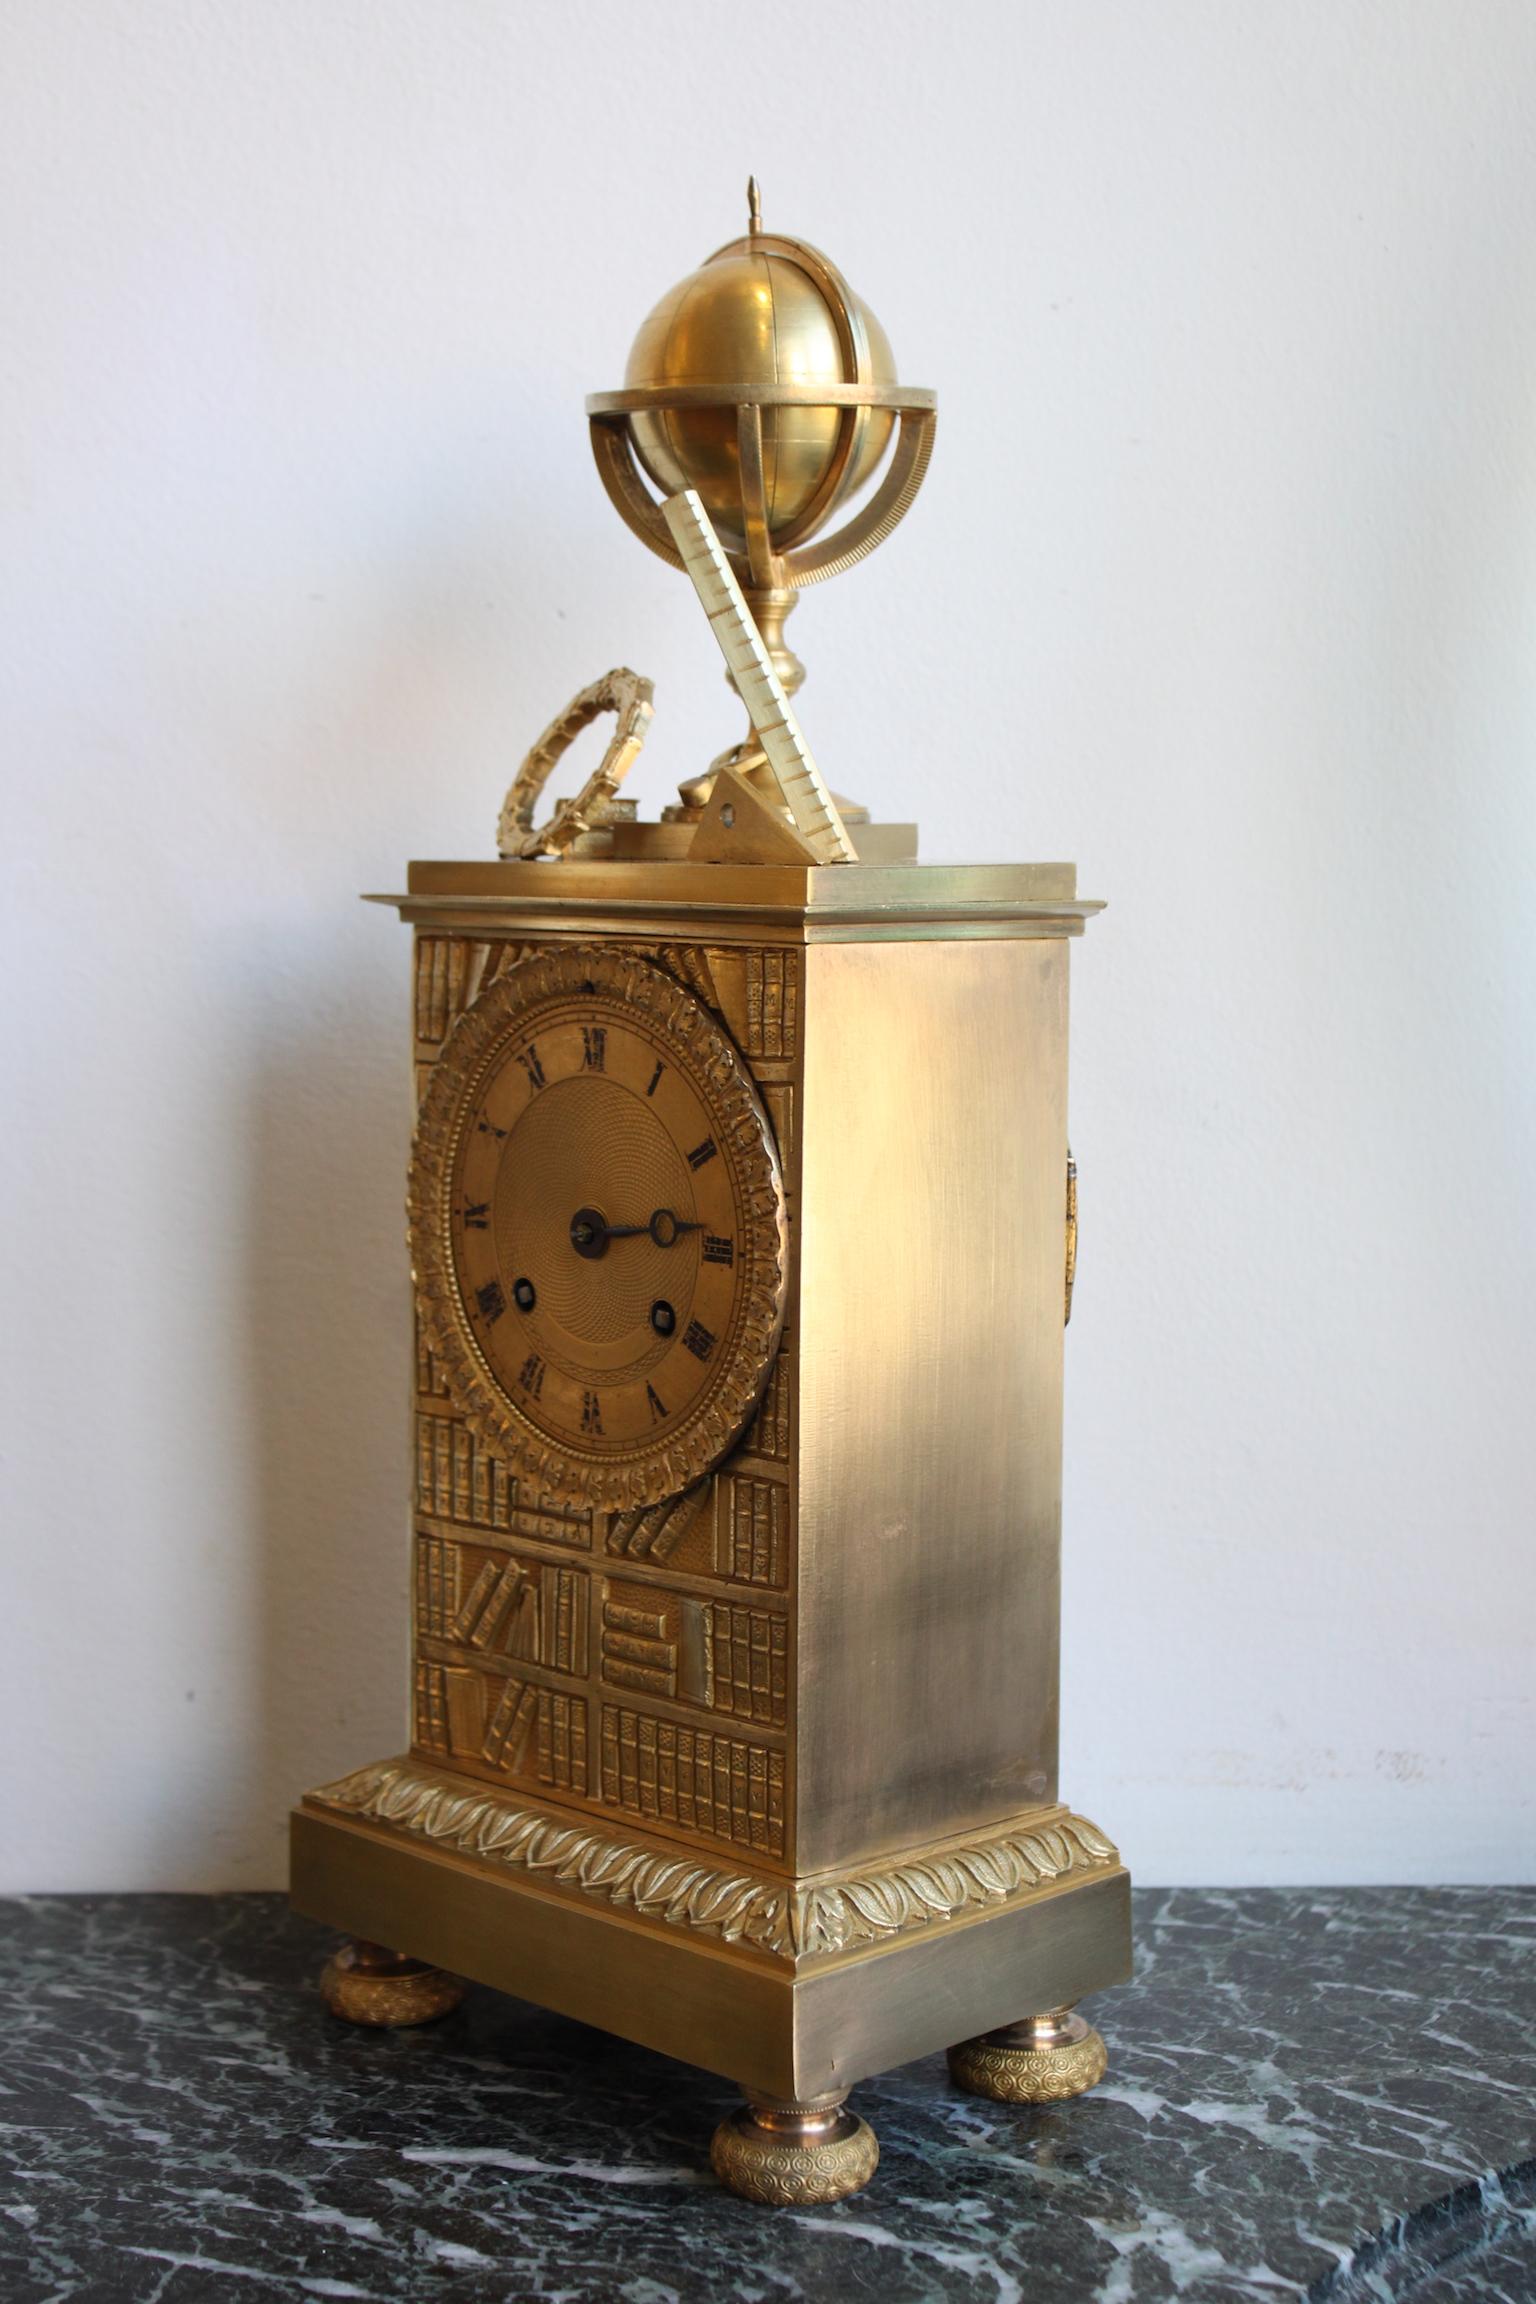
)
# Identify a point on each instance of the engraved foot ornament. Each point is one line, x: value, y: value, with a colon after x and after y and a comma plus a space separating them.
x: 794, y: 2155
x: 365, y: 1984
x: 1043, y: 2060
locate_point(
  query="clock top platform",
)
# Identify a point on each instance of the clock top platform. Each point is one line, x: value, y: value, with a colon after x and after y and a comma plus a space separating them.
x: 798, y: 903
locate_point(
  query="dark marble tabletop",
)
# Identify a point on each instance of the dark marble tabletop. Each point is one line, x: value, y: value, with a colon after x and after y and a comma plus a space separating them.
x: 1324, y: 2094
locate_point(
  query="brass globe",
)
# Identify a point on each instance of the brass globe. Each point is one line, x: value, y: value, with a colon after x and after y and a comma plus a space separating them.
x: 763, y: 382
x: 756, y: 318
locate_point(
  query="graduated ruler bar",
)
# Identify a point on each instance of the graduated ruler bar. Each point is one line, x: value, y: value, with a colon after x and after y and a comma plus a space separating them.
x: 810, y: 804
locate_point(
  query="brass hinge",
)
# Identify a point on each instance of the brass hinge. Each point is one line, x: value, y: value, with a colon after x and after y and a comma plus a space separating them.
x: 1071, y: 1227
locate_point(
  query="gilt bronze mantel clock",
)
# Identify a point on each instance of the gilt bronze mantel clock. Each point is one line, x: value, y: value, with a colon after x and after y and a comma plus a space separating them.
x: 740, y: 1221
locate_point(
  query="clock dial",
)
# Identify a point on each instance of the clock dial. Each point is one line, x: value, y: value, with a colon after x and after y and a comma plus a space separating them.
x: 598, y: 1226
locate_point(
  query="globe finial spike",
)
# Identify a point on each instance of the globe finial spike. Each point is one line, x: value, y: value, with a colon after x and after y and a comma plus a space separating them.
x: 754, y: 206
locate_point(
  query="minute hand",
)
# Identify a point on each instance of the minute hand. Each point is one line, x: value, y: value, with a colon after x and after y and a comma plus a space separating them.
x: 663, y: 1228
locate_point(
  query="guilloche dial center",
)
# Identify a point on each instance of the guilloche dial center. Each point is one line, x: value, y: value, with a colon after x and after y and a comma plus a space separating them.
x: 579, y: 1178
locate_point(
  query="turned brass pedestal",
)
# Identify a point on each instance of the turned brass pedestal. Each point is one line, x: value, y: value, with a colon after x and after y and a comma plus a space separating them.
x: 367, y: 1984
x: 1041, y: 2060
x: 787, y: 1803
x: 794, y: 2155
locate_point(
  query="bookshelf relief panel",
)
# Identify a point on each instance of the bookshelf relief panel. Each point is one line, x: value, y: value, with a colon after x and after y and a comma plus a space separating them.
x: 451, y: 974
x: 493, y: 1603
x: 693, y: 1780
x: 459, y: 1479
x: 504, y: 1725
x: 483, y: 1615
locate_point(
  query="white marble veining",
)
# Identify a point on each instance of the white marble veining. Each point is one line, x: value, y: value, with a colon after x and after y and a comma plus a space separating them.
x: 1312, y: 2095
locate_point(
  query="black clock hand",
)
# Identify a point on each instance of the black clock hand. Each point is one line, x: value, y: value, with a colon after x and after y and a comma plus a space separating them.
x: 590, y: 1235
x: 664, y: 1227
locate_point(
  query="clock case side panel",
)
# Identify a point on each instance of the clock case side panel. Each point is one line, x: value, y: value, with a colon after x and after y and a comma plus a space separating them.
x: 933, y: 1161
x: 716, y: 1563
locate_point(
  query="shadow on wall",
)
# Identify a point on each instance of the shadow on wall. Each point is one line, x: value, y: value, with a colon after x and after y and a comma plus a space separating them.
x: 324, y: 1117
x: 328, y: 1327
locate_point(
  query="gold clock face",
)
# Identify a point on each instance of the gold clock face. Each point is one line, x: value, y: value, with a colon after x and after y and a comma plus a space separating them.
x: 597, y: 1222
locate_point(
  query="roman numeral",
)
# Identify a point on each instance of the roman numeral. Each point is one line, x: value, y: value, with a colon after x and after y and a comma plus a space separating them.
x: 718, y: 1251
x: 591, y: 1413
x: 491, y: 1301
x: 529, y: 1059
x: 531, y: 1376
x: 656, y: 1404
x: 655, y: 1077
x: 699, y: 1340
x: 477, y: 1216
x: 703, y: 1153
x: 594, y: 1047
x: 487, y: 1127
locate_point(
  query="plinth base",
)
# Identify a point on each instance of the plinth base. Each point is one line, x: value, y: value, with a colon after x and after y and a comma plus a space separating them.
x: 792, y: 1989
x: 795, y: 1989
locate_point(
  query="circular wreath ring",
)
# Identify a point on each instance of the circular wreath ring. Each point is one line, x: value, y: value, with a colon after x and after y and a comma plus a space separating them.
x: 628, y: 695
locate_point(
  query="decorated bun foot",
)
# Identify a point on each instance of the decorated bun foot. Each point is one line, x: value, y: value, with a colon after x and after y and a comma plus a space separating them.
x: 1043, y: 2060
x: 794, y: 2155
x: 367, y: 1985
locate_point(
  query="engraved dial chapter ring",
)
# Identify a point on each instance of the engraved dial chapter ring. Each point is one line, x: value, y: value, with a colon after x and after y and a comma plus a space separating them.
x: 597, y: 1228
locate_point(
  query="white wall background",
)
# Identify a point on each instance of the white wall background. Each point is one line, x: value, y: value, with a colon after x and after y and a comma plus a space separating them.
x: 1224, y: 582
